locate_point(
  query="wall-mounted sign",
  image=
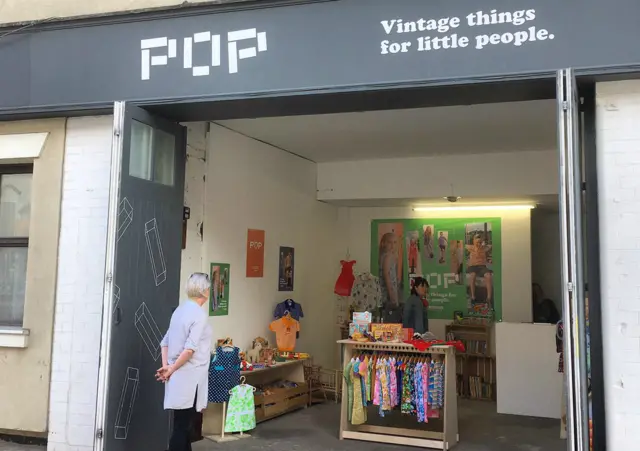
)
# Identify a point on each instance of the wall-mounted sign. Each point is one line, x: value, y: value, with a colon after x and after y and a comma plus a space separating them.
x: 252, y: 51
x: 461, y: 259
x: 220, y: 274
x: 286, y: 268
x: 255, y: 253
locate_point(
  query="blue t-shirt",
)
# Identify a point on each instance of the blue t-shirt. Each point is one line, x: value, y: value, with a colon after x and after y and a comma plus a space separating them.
x: 294, y: 309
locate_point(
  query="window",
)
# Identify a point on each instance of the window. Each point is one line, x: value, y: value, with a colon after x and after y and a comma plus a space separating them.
x: 15, y: 218
x: 152, y: 154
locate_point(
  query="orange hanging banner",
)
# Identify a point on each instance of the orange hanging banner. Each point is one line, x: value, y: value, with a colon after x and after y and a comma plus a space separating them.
x: 255, y: 253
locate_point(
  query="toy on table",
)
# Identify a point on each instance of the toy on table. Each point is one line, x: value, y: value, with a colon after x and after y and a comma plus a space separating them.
x: 268, y: 356
x: 253, y: 355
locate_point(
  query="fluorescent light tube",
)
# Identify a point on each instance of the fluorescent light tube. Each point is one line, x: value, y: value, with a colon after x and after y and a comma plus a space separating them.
x: 476, y: 208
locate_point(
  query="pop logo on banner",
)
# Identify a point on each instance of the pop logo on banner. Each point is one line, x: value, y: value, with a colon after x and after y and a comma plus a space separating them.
x: 255, y: 253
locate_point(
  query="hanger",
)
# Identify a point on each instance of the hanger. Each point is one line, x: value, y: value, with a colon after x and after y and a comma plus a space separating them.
x: 243, y: 381
x: 227, y: 345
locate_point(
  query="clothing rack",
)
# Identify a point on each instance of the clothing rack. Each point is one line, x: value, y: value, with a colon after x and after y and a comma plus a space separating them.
x: 442, y: 434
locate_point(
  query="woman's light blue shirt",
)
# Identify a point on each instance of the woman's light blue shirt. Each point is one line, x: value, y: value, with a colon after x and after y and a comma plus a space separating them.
x: 188, y: 329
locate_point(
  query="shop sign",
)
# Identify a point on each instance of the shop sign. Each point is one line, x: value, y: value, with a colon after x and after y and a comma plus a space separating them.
x: 461, y: 259
x: 255, y: 253
x: 205, y: 38
x: 315, y: 47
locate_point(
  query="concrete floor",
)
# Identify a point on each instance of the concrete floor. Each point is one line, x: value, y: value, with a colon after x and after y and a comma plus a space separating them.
x: 316, y: 429
x: 481, y: 429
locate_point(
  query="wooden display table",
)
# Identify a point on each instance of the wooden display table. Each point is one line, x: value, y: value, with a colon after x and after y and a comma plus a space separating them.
x: 269, y: 406
x: 396, y: 428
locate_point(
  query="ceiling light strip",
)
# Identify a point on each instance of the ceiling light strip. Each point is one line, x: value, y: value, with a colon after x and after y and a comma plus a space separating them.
x: 476, y: 208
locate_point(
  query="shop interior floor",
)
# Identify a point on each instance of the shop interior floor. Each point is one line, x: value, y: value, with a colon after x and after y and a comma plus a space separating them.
x: 316, y: 428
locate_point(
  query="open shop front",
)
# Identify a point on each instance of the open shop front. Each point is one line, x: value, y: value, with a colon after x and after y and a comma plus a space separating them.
x: 315, y: 228
x: 316, y: 197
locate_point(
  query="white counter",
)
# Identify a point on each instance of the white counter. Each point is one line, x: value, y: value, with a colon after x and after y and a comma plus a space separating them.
x: 527, y: 370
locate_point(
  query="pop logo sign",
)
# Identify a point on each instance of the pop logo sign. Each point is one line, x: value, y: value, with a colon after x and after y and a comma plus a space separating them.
x: 206, y: 37
x: 255, y: 245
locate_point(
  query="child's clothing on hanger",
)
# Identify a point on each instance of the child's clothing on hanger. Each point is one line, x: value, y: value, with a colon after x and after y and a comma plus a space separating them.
x: 346, y: 279
x: 285, y: 329
x: 241, y: 415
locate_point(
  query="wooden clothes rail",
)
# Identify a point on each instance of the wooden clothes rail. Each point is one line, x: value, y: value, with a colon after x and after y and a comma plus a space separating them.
x: 437, y: 434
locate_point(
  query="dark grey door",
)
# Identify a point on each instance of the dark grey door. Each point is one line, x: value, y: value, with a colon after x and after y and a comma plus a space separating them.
x: 145, y: 277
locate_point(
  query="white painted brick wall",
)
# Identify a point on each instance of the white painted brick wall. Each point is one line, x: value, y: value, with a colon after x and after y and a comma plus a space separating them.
x: 618, y: 134
x: 81, y: 260
x: 194, y: 197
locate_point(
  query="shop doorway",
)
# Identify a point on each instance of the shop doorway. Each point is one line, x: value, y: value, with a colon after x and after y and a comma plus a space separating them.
x: 167, y: 198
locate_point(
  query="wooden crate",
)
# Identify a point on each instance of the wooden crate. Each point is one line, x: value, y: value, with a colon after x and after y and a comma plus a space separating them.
x: 281, y: 401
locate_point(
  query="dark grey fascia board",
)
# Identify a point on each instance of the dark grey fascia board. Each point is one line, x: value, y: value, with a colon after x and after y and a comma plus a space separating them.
x: 167, y: 12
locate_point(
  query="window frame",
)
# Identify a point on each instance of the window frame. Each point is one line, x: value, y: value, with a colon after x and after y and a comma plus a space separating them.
x: 12, y: 242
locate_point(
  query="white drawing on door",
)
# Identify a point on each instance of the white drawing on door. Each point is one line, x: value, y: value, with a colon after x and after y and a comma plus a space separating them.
x: 125, y: 217
x: 149, y: 331
x: 158, y: 264
x: 127, y: 400
x: 116, y: 296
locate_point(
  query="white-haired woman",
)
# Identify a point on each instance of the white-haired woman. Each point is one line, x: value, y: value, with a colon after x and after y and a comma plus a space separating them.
x: 186, y: 354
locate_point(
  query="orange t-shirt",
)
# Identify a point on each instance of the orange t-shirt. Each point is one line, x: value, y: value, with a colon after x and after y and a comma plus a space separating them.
x: 285, y: 329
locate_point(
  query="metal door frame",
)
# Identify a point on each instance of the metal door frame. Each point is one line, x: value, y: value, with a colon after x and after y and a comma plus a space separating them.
x: 572, y: 257
x: 117, y: 147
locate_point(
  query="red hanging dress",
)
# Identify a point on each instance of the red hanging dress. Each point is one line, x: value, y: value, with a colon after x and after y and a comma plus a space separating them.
x: 346, y: 279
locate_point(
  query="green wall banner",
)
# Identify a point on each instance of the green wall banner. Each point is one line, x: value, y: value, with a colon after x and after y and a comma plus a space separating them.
x: 219, y: 293
x: 459, y: 257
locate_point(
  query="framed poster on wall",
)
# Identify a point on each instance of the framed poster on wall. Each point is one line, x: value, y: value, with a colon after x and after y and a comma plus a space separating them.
x: 459, y: 257
x: 286, y: 268
x: 220, y: 275
x: 255, y: 253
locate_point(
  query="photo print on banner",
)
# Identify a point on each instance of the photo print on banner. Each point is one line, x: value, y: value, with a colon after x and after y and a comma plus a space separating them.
x: 220, y: 274
x: 387, y: 247
x: 286, y: 268
x: 459, y: 257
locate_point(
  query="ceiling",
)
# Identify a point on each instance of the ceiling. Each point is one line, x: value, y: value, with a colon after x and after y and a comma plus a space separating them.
x: 473, y: 129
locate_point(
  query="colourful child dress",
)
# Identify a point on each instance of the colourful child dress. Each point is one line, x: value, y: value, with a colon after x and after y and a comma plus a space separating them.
x: 224, y: 373
x: 346, y: 279
x: 241, y: 415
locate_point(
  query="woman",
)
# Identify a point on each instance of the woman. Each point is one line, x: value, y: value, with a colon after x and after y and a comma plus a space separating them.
x: 415, y: 308
x: 186, y: 353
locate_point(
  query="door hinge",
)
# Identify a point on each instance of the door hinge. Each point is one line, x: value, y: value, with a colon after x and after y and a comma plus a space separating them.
x: 109, y: 277
x: 570, y: 286
x: 565, y: 105
x: 584, y: 186
x: 99, y: 433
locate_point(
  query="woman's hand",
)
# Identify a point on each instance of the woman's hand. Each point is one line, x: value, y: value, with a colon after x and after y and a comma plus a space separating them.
x: 164, y: 374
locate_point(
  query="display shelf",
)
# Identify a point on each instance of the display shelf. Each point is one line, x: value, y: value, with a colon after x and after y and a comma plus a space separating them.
x: 396, y: 428
x: 281, y: 401
x: 267, y: 406
x: 476, y: 366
